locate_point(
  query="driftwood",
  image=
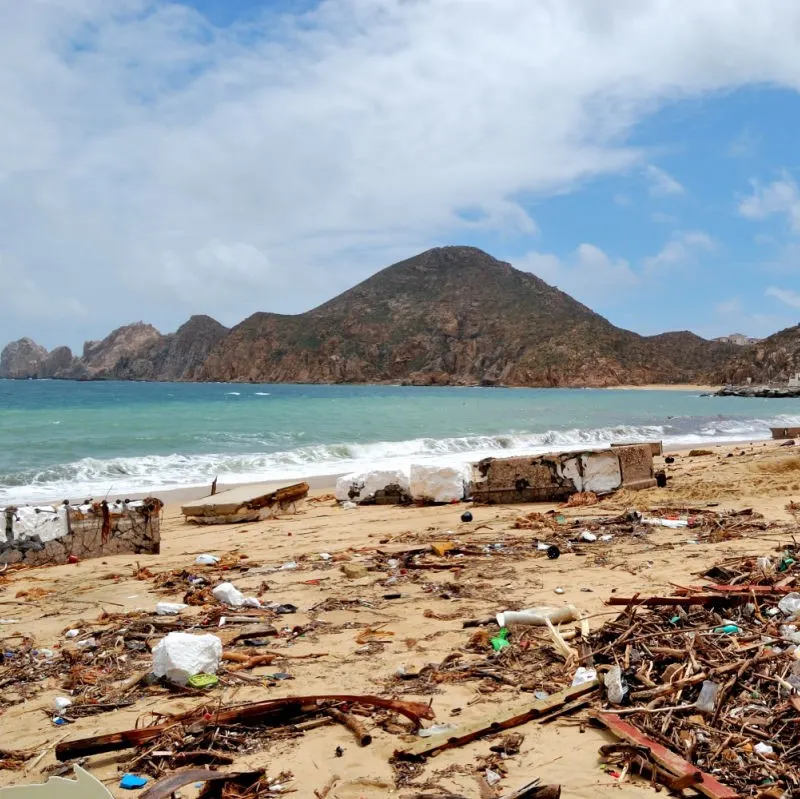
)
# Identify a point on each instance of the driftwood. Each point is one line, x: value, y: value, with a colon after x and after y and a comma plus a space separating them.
x: 167, y: 786
x: 543, y: 707
x: 271, y: 712
x: 352, y: 724
x: 685, y: 772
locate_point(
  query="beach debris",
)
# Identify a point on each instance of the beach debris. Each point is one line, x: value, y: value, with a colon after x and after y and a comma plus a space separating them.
x: 84, y: 786
x: 202, y: 681
x: 681, y: 770
x: 466, y: 516
x: 229, y: 594
x: 206, y: 559
x: 352, y: 723
x: 380, y: 486
x: 179, y: 656
x: 169, y: 785
x: 353, y: 571
x: 535, y: 790
x: 132, y: 782
x: 432, y: 484
x: 65, y: 533
x: 508, y: 720
x: 584, y: 675
x: 248, y: 503
x: 273, y: 712
x: 538, y: 616
x: 169, y: 608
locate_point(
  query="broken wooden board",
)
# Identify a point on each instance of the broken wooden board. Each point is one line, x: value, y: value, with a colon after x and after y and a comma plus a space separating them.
x: 668, y: 760
x: 429, y: 747
x: 249, y: 503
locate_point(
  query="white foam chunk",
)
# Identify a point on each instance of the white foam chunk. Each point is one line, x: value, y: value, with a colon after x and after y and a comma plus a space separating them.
x: 179, y: 656
x: 601, y: 472
x: 48, y: 522
x: 361, y: 486
x: 430, y: 483
x: 228, y: 594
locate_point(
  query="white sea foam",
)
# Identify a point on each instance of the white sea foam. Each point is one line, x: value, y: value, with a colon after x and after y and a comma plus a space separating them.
x: 92, y: 477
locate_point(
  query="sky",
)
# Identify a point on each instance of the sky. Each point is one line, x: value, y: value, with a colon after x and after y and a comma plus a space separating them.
x: 162, y: 159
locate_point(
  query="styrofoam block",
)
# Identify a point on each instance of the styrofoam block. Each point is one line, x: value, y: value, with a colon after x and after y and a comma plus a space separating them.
x: 179, y: 656
x: 430, y: 483
x: 361, y: 486
x: 571, y: 469
x: 601, y: 472
x: 48, y: 522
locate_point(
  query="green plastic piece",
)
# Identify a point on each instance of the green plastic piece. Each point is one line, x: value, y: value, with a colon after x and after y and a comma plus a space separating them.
x: 500, y: 641
x: 203, y: 680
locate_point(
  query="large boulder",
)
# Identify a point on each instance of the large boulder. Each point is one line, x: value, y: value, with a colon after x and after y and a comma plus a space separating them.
x: 22, y: 359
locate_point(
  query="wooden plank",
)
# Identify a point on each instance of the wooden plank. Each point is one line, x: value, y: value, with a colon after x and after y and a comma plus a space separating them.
x: 666, y: 758
x: 438, y: 743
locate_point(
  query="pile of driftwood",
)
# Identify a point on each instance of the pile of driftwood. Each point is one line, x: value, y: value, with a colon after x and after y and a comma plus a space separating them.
x: 708, y: 679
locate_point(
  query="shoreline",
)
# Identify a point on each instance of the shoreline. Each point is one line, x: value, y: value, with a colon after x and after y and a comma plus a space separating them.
x: 326, y: 483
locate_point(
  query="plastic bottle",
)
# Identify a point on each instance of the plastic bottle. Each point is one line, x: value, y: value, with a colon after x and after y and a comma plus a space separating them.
x: 708, y: 697
x: 615, y: 685
x: 538, y: 616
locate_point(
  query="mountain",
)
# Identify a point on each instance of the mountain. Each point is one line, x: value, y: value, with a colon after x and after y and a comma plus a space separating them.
x: 451, y: 315
x: 455, y: 315
x: 773, y: 359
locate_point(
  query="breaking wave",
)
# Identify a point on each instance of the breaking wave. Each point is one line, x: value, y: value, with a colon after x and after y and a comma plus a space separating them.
x: 91, y: 477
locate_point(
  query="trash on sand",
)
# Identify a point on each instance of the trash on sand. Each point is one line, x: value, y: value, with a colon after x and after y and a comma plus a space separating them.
x: 466, y: 516
x: 553, y: 552
x: 354, y: 571
x: 435, y: 729
x: 203, y: 681
x: 178, y: 656
x: 131, y: 782
x: 707, y: 700
x: 763, y: 749
x: 228, y: 594
x: 441, y: 548
x: 206, y: 559
x: 492, y: 777
x: 538, y: 616
x: 583, y: 675
x: 558, y: 590
x: 616, y: 687
x: 61, y: 703
x: 169, y: 608
x: 500, y: 641
x: 347, y: 505
x: 587, y: 536
x: 790, y: 604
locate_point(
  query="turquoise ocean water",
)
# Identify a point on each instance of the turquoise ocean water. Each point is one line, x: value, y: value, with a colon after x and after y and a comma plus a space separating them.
x: 77, y: 440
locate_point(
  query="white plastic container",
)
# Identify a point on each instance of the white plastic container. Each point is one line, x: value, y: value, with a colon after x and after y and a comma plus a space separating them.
x: 170, y: 608
x: 538, y: 617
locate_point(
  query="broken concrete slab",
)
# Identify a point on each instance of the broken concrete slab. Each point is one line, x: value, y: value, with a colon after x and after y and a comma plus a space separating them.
x: 780, y: 433
x: 247, y: 503
x: 555, y: 477
x: 55, y: 534
x: 636, y: 465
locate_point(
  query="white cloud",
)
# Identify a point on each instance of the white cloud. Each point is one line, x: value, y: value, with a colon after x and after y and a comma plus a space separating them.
x: 683, y: 248
x: 589, y: 273
x: 662, y: 184
x: 787, y: 296
x: 137, y: 139
x: 779, y: 197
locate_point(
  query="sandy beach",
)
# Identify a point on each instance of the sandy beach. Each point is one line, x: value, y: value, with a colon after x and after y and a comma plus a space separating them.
x: 361, y: 641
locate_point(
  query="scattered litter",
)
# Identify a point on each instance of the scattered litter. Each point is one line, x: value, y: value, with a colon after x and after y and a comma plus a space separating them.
x: 436, y: 729
x: 466, y: 516
x: 538, y: 616
x: 583, y: 675
x: 500, y: 641
x: 202, y: 681
x: 61, y: 703
x: 206, y: 559
x: 587, y: 536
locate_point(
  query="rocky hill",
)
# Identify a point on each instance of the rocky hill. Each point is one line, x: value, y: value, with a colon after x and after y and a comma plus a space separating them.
x: 451, y: 315
x: 774, y: 359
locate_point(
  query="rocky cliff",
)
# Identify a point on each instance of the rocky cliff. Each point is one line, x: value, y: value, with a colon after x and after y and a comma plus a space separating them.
x: 451, y: 315
x: 774, y: 359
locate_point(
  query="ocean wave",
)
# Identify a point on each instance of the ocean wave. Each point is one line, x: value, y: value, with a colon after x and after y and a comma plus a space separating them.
x: 97, y: 477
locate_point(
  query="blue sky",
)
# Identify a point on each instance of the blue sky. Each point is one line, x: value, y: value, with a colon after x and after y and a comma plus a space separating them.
x: 160, y: 159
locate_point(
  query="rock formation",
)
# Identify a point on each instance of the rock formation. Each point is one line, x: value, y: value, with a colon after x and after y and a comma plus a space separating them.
x: 772, y: 360
x: 449, y: 316
x: 22, y: 359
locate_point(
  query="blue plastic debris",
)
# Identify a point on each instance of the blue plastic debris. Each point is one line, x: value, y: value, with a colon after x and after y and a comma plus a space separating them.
x: 132, y: 781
